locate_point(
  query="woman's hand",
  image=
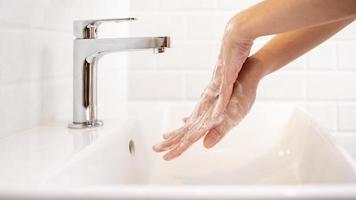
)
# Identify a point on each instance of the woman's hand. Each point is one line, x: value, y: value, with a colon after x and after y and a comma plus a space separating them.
x: 243, y: 96
x: 209, y: 112
x: 242, y: 99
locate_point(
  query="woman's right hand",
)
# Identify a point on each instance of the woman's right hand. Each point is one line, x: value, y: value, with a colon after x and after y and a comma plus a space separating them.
x: 242, y: 99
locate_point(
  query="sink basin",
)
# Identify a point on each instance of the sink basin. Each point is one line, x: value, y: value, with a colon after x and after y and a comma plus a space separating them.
x: 284, y: 156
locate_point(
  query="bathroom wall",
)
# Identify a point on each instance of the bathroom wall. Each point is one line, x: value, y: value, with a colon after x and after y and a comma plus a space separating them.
x: 322, y: 81
x: 36, y: 60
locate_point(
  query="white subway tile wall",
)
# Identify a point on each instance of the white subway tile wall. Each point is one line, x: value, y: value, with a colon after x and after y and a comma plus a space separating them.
x: 322, y: 81
x: 36, y: 60
x: 326, y: 51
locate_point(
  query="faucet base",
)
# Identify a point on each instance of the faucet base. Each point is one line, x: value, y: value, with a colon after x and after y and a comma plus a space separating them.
x: 83, y: 125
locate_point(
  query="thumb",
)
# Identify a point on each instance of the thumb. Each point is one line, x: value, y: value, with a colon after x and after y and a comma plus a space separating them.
x: 216, y: 134
x: 212, y: 138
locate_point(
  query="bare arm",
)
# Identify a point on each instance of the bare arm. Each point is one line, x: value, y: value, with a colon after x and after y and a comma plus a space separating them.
x: 286, y: 47
x: 276, y: 16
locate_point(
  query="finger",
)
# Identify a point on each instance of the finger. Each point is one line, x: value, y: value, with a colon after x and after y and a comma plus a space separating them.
x: 183, y: 145
x: 212, y: 138
x: 185, y: 119
x: 168, y: 144
x: 223, y: 100
x: 216, y: 134
x: 205, y: 102
x: 174, y: 132
x: 177, y: 151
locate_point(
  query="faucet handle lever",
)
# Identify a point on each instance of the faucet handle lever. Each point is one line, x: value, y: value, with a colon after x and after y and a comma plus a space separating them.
x: 87, y: 29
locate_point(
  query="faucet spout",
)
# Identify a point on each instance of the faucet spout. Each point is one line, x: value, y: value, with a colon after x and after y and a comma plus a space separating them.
x: 93, y: 47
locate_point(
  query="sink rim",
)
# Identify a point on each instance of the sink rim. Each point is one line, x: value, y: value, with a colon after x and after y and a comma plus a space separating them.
x: 188, y: 192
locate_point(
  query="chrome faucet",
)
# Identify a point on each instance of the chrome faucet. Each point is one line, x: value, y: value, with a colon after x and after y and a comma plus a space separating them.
x: 87, y: 51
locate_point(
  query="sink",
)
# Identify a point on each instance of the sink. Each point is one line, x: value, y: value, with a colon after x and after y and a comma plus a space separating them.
x: 284, y: 156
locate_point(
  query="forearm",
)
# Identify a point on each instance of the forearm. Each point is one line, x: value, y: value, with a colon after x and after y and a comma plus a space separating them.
x: 276, y: 16
x: 285, y: 47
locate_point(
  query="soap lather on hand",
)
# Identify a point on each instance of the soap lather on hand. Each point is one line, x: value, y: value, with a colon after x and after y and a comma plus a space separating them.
x: 232, y: 89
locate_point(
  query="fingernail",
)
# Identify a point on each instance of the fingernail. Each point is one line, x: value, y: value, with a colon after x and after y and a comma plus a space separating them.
x: 166, y: 158
x: 156, y: 147
x: 211, y: 139
x: 185, y: 119
x: 209, y: 143
x: 165, y: 136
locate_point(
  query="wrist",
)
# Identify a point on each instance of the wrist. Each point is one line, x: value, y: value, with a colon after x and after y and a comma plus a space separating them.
x: 256, y: 68
x: 264, y: 63
x: 238, y: 26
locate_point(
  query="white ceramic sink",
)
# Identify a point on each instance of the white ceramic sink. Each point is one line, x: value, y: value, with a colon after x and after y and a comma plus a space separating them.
x: 285, y: 156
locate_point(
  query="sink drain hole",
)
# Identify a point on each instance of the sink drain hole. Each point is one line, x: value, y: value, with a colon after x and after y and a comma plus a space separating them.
x: 132, y: 147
